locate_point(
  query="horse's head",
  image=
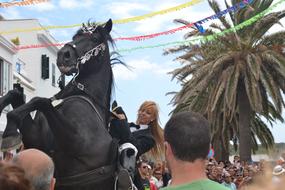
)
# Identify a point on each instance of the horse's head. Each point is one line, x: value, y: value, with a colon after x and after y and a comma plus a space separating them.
x: 90, y: 42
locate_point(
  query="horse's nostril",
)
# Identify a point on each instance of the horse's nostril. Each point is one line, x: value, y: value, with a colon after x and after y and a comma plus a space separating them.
x: 66, y: 55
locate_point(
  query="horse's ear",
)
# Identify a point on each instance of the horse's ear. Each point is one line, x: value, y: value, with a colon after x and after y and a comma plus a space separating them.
x: 108, y: 26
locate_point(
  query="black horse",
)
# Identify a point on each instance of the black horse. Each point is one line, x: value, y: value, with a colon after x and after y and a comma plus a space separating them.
x: 85, y: 155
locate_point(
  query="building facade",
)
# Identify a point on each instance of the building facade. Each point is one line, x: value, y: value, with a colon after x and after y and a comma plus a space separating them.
x: 34, y: 68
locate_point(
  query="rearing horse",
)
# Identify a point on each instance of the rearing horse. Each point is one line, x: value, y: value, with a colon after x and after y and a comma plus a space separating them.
x: 84, y: 154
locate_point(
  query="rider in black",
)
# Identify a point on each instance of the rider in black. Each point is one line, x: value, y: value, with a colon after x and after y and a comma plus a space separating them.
x: 137, y: 139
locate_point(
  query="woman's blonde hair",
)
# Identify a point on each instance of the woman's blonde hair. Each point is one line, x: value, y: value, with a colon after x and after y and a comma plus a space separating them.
x: 158, y: 150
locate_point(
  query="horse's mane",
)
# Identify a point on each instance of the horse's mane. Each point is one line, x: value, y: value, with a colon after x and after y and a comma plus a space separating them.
x: 99, y: 27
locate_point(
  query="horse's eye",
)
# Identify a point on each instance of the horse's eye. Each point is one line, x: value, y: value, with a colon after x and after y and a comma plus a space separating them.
x: 66, y: 54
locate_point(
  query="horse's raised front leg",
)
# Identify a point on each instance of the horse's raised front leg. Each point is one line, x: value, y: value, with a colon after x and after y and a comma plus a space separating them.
x: 15, y: 118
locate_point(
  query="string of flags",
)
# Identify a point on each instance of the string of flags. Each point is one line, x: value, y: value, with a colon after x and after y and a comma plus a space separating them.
x: 120, y: 21
x: 197, y: 24
x: 236, y: 7
x: 21, y: 3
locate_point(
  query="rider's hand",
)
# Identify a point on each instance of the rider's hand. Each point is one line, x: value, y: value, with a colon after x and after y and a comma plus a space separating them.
x: 119, y: 125
x: 118, y: 112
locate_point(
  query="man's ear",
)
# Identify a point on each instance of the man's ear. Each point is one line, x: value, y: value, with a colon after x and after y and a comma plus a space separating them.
x: 167, y: 148
x: 52, y: 184
x: 108, y: 26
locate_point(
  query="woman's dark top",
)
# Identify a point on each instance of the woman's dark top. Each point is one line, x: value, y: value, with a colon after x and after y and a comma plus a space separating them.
x: 139, y: 135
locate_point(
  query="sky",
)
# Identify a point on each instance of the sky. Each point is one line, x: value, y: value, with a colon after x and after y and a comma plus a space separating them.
x: 148, y: 78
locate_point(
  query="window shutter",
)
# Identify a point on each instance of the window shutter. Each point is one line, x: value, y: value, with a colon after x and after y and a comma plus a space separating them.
x: 45, y: 67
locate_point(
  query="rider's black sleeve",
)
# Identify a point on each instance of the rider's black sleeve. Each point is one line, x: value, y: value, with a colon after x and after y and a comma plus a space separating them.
x: 142, y: 140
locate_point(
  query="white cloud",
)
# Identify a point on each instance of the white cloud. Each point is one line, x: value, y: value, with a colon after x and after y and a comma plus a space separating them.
x: 41, y: 7
x: 11, y: 13
x: 63, y: 34
x: 126, y: 9
x: 74, y: 4
x: 139, y: 67
x: 122, y: 73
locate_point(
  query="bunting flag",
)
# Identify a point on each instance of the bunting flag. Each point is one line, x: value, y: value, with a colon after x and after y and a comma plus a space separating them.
x: 238, y: 6
x: 186, y: 42
x: 234, y: 8
x: 121, y: 21
x: 177, y: 8
x: 21, y: 3
x: 197, y: 24
x: 209, y: 37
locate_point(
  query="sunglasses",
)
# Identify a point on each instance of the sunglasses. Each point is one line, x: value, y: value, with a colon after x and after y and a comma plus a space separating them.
x: 144, y: 167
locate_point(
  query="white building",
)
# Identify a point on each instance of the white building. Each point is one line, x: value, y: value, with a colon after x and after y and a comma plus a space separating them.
x: 35, y: 68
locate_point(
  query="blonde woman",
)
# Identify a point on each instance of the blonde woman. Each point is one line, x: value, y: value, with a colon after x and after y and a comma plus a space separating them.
x: 144, y: 136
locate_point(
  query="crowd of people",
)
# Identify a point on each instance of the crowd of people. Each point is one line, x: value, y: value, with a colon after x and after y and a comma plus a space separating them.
x: 234, y: 175
x: 184, y: 164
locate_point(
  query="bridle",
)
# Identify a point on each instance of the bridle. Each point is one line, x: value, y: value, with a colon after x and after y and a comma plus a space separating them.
x: 87, y: 56
x: 94, y: 52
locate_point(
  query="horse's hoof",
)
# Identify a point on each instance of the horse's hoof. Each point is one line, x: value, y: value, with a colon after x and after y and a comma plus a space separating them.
x: 11, y: 143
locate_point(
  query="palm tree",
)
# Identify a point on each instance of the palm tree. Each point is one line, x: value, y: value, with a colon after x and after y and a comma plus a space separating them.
x: 237, y: 78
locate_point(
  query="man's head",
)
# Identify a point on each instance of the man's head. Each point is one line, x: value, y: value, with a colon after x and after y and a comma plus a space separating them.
x: 236, y: 158
x: 38, y: 167
x: 187, y: 137
x: 157, y: 174
x: 278, y: 171
x: 143, y: 169
x: 228, y: 178
x: 232, y: 172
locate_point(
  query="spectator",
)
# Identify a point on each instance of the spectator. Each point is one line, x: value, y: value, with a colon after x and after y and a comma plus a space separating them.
x: 143, y: 169
x: 228, y: 182
x: 278, y: 175
x: 236, y: 159
x: 239, y: 180
x: 214, y: 175
x: 232, y: 172
x: 38, y: 167
x: 13, y: 178
x: 281, y: 160
x: 246, y: 177
x: 166, y: 176
x: 187, y: 143
x: 219, y: 178
x: 157, y: 174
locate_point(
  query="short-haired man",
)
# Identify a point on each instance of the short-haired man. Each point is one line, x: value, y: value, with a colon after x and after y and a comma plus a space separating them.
x: 187, y: 143
x: 38, y: 167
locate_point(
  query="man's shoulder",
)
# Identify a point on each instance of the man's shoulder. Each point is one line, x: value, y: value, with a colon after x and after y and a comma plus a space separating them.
x: 198, y: 185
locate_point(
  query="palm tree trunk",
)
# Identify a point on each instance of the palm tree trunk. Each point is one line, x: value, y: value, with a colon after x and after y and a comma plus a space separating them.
x: 221, y: 154
x: 244, y: 124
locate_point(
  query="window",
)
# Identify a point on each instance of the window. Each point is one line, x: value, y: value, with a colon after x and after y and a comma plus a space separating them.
x: 5, y: 74
x: 18, y: 67
x: 53, y: 74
